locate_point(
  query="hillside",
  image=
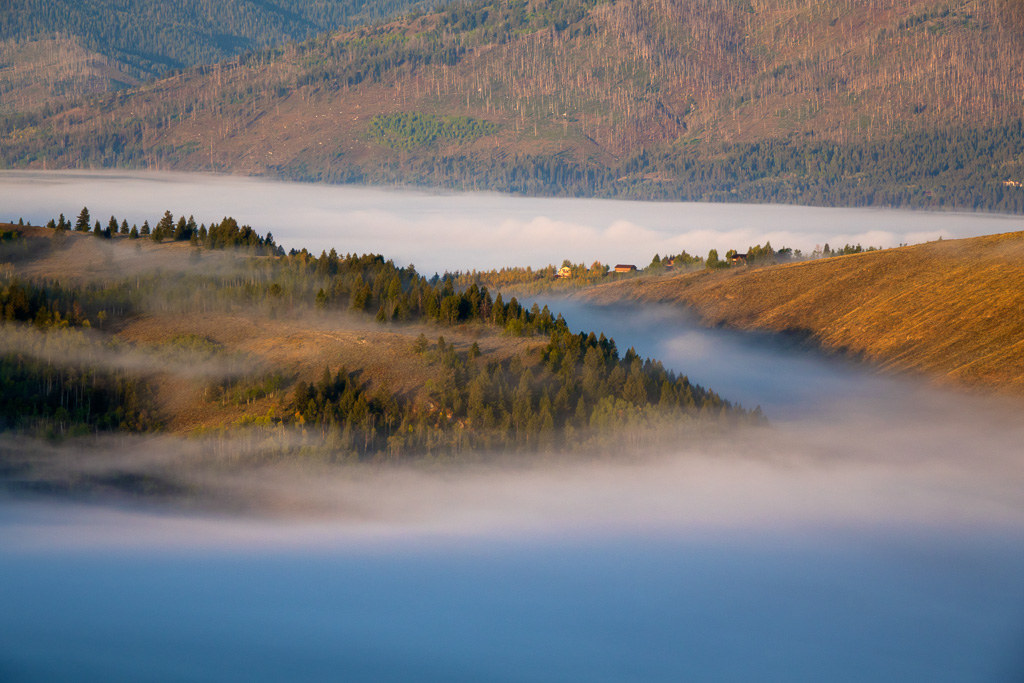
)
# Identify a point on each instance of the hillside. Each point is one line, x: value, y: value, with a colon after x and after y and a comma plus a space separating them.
x: 950, y: 310
x: 189, y: 330
x: 899, y: 103
x: 139, y: 39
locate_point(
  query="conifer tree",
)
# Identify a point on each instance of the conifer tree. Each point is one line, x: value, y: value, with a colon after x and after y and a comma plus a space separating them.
x: 712, y: 260
x: 82, y: 224
x: 164, y: 228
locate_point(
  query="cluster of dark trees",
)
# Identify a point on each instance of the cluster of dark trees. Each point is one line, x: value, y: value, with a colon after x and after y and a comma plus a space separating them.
x: 51, y: 397
x: 581, y: 395
x: 490, y: 22
x: 45, y: 304
x: 961, y: 168
x: 55, y: 400
x: 377, y: 51
x: 580, y: 387
x: 368, y: 283
x: 220, y: 235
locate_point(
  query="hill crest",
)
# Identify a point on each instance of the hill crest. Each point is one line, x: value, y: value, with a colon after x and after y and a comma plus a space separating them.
x: 949, y: 310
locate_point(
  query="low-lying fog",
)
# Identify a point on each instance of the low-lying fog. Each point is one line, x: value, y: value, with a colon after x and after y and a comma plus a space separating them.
x: 874, y: 533
x: 439, y: 232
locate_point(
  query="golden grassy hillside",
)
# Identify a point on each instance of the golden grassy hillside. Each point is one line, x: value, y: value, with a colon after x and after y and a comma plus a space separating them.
x: 952, y: 310
x: 299, y: 349
x: 248, y: 343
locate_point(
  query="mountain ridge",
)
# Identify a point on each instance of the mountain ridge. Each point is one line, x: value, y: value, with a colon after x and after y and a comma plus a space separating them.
x: 837, y: 103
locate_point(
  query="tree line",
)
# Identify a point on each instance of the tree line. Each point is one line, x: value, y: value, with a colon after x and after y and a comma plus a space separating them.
x: 224, y: 234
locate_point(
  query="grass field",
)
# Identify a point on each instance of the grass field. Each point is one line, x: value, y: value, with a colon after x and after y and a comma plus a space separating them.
x: 951, y: 310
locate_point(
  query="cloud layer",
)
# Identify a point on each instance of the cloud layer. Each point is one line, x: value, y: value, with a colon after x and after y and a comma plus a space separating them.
x: 438, y: 232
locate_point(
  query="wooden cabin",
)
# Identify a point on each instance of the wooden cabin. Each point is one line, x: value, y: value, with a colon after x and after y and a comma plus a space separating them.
x: 625, y: 268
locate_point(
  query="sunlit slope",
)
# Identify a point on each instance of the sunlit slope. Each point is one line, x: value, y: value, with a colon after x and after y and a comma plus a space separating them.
x: 952, y: 309
x: 241, y: 340
x: 205, y: 331
x: 913, y: 103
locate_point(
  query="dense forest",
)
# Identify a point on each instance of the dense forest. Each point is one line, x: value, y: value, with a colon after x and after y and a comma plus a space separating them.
x: 960, y: 168
x: 147, y: 38
x: 836, y: 103
x: 568, y: 391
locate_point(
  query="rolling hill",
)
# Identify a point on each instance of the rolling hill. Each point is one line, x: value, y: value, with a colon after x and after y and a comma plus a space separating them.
x: 217, y: 332
x: 948, y: 310
x: 899, y: 103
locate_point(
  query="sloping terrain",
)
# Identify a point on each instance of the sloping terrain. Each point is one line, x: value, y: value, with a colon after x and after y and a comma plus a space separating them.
x: 952, y: 310
x: 903, y: 103
x: 217, y: 332
x: 245, y: 342
x: 146, y: 38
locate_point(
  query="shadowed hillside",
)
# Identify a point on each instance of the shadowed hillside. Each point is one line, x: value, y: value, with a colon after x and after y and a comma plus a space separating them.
x: 952, y: 310
x: 844, y: 103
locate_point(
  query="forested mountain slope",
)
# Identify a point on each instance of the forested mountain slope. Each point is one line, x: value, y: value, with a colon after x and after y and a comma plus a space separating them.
x: 902, y: 103
x: 950, y: 309
x: 147, y: 37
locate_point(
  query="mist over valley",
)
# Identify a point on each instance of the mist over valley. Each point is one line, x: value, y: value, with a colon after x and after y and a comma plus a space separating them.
x: 512, y: 340
x: 895, y: 497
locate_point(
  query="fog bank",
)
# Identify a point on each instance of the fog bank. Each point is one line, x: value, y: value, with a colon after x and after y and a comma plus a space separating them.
x: 874, y: 532
x: 447, y: 231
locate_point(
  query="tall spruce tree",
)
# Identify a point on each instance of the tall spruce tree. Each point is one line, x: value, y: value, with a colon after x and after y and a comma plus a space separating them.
x: 164, y: 228
x: 84, y: 221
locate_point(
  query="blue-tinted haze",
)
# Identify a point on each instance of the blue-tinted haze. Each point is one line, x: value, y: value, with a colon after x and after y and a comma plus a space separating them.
x: 875, y: 533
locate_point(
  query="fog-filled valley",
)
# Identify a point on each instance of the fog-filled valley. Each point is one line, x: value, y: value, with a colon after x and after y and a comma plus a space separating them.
x: 881, y: 529
x: 512, y: 340
x: 439, y: 232
x: 859, y: 525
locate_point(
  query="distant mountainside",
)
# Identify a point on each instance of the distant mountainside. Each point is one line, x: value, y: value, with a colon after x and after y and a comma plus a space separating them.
x: 900, y: 103
x: 138, y: 39
x: 950, y: 309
